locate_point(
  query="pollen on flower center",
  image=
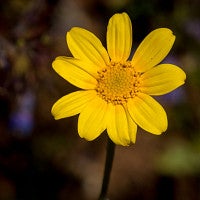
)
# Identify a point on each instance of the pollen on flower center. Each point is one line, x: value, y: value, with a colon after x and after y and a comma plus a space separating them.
x: 118, y: 82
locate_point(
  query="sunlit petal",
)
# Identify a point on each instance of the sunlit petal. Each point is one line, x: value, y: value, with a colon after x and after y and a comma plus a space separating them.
x: 132, y: 127
x: 119, y: 37
x: 92, y: 120
x: 162, y: 79
x: 153, y: 49
x: 74, y: 72
x: 121, y: 128
x: 85, y: 46
x: 148, y: 113
x: 72, y: 103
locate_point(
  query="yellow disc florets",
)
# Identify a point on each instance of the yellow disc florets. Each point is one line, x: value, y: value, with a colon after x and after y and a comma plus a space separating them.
x: 118, y: 82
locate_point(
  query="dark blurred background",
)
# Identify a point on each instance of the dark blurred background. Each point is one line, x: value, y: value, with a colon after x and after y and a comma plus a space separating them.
x: 41, y: 158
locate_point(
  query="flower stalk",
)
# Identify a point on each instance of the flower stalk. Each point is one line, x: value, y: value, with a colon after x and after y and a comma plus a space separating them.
x: 108, y: 168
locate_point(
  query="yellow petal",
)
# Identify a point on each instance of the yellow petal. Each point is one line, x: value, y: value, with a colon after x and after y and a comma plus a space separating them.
x: 153, y: 49
x: 72, y: 103
x: 71, y: 70
x: 121, y: 128
x: 85, y: 46
x: 119, y: 37
x: 148, y: 113
x: 92, y: 120
x: 162, y: 79
x: 132, y: 127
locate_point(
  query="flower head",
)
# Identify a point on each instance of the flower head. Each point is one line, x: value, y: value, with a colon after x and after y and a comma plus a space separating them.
x: 115, y: 89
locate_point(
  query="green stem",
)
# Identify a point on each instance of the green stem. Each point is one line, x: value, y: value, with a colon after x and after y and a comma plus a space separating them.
x: 108, y: 167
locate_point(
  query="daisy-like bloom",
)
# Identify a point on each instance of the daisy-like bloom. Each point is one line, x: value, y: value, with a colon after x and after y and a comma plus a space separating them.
x: 115, y: 89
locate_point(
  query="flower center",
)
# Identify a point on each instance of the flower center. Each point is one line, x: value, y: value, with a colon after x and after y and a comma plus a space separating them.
x: 118, y: 82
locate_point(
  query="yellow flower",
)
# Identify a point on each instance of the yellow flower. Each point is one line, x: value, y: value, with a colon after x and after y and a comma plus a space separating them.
x: 115, y: 92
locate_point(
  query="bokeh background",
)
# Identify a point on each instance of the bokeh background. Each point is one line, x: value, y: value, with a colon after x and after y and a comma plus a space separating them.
x: 41, y: 158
